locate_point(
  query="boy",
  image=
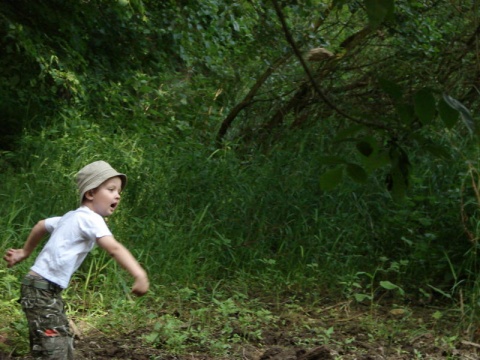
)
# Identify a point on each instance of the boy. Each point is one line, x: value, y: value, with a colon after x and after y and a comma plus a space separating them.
x: 72, y: 236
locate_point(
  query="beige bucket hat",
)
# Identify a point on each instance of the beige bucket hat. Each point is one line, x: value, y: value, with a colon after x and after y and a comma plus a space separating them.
x: 94, y: 174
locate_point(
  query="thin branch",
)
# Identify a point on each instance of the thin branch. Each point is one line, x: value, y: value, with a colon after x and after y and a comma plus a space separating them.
x: 311, y: 79
x: 247, y: 100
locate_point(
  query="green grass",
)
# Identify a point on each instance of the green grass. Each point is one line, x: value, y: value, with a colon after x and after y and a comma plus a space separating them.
x: 221, y: 235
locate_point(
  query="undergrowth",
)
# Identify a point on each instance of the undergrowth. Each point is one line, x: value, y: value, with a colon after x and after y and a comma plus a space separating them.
x: 231, y: 242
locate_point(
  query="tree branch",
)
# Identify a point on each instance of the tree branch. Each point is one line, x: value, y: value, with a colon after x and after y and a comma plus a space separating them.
x: 311, y: 79
x: 227, y: 122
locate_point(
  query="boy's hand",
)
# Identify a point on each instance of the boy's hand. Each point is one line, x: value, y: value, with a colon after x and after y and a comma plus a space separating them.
x: 140, y: 286
x: 14, y: 256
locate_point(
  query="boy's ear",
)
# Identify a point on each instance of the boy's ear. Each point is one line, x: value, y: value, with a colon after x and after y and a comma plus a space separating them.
x: 89, y: 194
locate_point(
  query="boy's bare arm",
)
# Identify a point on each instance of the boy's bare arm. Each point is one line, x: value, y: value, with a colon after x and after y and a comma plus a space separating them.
x: 14, y: 256
x: 125, y: 258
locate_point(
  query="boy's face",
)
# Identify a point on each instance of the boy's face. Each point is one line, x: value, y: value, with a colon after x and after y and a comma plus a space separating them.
x: 105, y: 198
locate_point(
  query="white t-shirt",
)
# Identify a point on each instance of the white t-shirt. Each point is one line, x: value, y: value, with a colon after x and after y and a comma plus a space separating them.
x: 72, y: 237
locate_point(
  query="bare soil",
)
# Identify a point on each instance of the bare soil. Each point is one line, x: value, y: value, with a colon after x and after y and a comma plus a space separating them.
x: 357, y: 334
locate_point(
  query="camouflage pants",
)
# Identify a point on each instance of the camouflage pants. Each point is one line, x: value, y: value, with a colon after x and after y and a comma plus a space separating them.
x: 50, y: 336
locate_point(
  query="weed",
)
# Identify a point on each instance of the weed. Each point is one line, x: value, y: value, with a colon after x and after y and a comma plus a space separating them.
x: 365, y: 286
x: 216, y: 326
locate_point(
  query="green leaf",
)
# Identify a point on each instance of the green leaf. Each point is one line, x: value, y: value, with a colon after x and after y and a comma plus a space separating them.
x: 406, y: 113
x: 448, y: 296
x: 330, y: 179
x: 357, y: 173
x: 448, y: 114
x: 365, y: 148
x: 361, y: 297
x: 437, y: 315
x: 368, y: 146
x: 152, y: 337
x: 376, y: 161
x: 390, y: 286
x: 424, y: 104
x: 329, y: 331
x: 464, y: 112
x: 236, y: 27
x: 378, y: 11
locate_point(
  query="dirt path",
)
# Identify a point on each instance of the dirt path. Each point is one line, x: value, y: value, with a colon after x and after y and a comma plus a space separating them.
x: 424, y: 346
x: 330, y: 334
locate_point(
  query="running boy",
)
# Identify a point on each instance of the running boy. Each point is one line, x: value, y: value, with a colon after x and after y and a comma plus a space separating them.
x: 72, y: 236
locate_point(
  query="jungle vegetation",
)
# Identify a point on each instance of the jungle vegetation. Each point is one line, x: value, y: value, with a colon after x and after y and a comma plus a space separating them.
x: 284, y: 149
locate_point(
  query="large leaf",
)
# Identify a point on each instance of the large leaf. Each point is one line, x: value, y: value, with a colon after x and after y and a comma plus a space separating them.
x: 425, y: 108
x: 377, y: 160
x: 357, y: 173
x: 379, y: 11
x: 390, y: 286
x: 365, y: 148
x: 406, y: 113
x: 331, y: 178
x: 373, y: 155
x: 448, y: 114
x: 464, y: 112
x: 362, y: 297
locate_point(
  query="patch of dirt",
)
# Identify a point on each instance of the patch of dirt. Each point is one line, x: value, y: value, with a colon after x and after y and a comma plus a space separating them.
x: 391, y: 335
x: 350, y: 343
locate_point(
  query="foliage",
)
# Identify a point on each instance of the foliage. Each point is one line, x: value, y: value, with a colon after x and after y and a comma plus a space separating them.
x: 212, y: 327
x: 12, y: 325
x: 388, y: 111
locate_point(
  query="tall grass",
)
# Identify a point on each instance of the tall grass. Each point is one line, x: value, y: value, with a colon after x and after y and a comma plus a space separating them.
x: 193, y: 212
x: 197, y: 216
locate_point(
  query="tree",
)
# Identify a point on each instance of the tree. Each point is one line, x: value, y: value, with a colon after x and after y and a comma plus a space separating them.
x: 389, y: 77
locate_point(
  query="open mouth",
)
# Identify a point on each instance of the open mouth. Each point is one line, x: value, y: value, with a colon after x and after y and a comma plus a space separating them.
x: 113, y: 206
